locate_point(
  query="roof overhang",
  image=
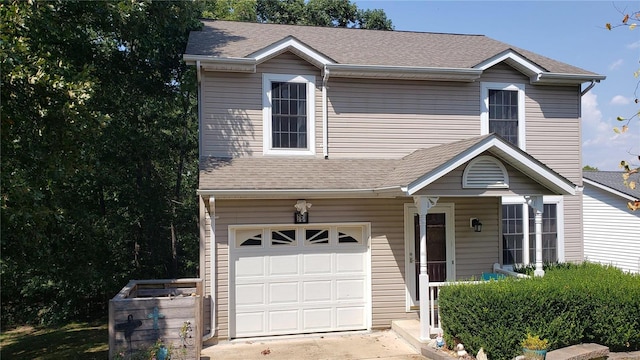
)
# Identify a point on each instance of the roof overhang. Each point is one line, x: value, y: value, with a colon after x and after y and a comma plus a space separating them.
x: 389, y: 192
x: 515, y: 157
x: 403, y: 72
x: 537, y: 74
x: 610, y: 190
x: 247, y: 64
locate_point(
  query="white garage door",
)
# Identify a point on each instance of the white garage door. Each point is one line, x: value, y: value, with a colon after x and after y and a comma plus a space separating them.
x: 298, y: 279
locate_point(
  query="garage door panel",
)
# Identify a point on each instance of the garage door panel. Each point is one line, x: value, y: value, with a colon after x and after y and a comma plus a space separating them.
x: 283, y: 265
x: 350, y: 263
x: 317, y: 319
x: 249, y: 266
x: 250, y: 294
x: 317, y: 291
x: 317, y: 264
x: 284, y: 293
x: 348, y: 317
x: 251, y: 323
x: 284, y: 321
x: 350, y: 289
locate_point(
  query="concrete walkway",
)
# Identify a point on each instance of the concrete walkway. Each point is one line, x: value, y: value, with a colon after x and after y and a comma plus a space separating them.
x: 385, y: 345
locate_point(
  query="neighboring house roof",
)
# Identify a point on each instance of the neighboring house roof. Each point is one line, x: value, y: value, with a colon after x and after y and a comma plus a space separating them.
x: 253, y: 175
x: 612, y: 182
x: 356, y: 47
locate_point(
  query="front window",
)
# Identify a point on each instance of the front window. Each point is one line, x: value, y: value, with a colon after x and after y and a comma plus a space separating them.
x: 549, y: 234
x: 288, y: 114
x: 518, y: 219
x: 512, y: 234
x: 502, y: 111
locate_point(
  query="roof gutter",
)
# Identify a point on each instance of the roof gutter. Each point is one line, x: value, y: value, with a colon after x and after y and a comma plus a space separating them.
x: 403, y: 72
x: 214, y: 63
x: 383, y: 192
x: 547, y: 78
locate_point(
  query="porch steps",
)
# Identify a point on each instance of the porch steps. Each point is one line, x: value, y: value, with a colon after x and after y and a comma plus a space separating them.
x: 409, y: 330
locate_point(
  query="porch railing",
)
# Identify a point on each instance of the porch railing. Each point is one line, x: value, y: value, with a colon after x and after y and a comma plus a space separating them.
x: 434, y: 290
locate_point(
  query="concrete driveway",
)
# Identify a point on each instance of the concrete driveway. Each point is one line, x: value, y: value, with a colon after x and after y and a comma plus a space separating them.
x: 375, y: 345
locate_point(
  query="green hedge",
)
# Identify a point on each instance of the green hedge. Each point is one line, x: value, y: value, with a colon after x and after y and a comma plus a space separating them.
x: 571, y: 304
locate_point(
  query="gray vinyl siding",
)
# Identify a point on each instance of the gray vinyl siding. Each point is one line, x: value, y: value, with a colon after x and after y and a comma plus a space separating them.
x: 610, y: 230
x: 389, y: 119
x: 573, y: 240
x: 232, y: 108
x: 475, y: 252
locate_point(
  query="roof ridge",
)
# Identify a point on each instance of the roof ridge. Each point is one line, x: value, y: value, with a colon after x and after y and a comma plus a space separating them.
x: 339, y: 28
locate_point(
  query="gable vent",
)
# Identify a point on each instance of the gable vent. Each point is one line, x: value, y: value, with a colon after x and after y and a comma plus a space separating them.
x: 485, y: 172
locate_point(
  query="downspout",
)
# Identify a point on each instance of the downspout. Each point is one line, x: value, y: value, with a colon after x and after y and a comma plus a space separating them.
x: 205, y: 214
x: 586, y: 90
x: 210, y: 214
x: 325, y: 114
x: 199, y: 81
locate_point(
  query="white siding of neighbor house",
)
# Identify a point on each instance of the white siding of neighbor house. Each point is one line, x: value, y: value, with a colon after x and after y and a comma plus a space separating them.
x: 475, y: 252
x: 610, y: 230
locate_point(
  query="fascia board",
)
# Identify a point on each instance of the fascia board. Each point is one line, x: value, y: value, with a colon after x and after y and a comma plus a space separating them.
x: 547, y: 78
x: 537, y: 170
x: 389, y: 192
x: 403, y: 72
x: 214, y: 63
x: 608, y: 189
x: 290, y: 44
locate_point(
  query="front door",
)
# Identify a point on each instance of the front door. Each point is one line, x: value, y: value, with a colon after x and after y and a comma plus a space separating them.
x: 440, y: 248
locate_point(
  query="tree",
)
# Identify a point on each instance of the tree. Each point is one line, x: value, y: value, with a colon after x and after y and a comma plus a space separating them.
x: 589, y: 168
x: 631, y: 175
x: 329, y: 13
x: 99, y: 153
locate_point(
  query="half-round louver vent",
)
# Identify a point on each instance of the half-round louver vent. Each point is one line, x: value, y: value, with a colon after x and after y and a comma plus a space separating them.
x: 485, y: 172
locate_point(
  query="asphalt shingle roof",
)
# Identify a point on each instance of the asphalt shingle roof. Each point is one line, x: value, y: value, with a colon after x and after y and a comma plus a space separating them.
x: 611, y: 179
x: 229, y: 39
x: 278, y: 173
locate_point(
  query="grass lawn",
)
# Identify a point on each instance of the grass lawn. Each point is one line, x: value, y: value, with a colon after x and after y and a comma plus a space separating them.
x: 73, y: 341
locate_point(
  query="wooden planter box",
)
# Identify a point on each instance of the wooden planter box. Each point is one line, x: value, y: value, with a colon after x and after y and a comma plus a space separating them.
x: 147, y: 311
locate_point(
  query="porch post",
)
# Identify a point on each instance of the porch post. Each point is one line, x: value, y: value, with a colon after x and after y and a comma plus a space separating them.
x: 424, y: 203
x: 537, y: 204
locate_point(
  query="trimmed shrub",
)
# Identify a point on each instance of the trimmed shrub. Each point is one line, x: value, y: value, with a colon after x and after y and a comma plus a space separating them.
x: 571, y: 304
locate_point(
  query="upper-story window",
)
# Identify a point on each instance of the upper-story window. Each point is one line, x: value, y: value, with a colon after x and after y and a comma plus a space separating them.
x: 503, y: 111
x: 288, y: 114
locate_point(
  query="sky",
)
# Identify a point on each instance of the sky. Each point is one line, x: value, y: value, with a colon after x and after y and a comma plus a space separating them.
x: 569, y: 31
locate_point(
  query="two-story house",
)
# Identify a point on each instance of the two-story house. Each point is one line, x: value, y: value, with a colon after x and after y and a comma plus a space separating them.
x: 345, y: 172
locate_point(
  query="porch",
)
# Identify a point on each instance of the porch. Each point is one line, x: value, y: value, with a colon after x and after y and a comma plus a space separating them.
x: 411, y: 330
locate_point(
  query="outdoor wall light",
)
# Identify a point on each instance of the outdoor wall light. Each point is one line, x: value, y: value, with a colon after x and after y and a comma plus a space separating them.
x: 476, y: 224
x: 301, y: 215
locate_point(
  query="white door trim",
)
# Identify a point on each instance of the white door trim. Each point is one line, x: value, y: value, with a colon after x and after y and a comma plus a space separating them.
x: 409, y: 238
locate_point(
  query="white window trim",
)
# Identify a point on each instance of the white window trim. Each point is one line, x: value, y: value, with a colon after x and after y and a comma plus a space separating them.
x: 267, y: 79
x: 553, y: 199
x: 484, y: 108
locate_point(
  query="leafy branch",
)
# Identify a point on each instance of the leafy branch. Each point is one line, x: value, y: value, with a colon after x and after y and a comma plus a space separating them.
x: 630, y: 171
